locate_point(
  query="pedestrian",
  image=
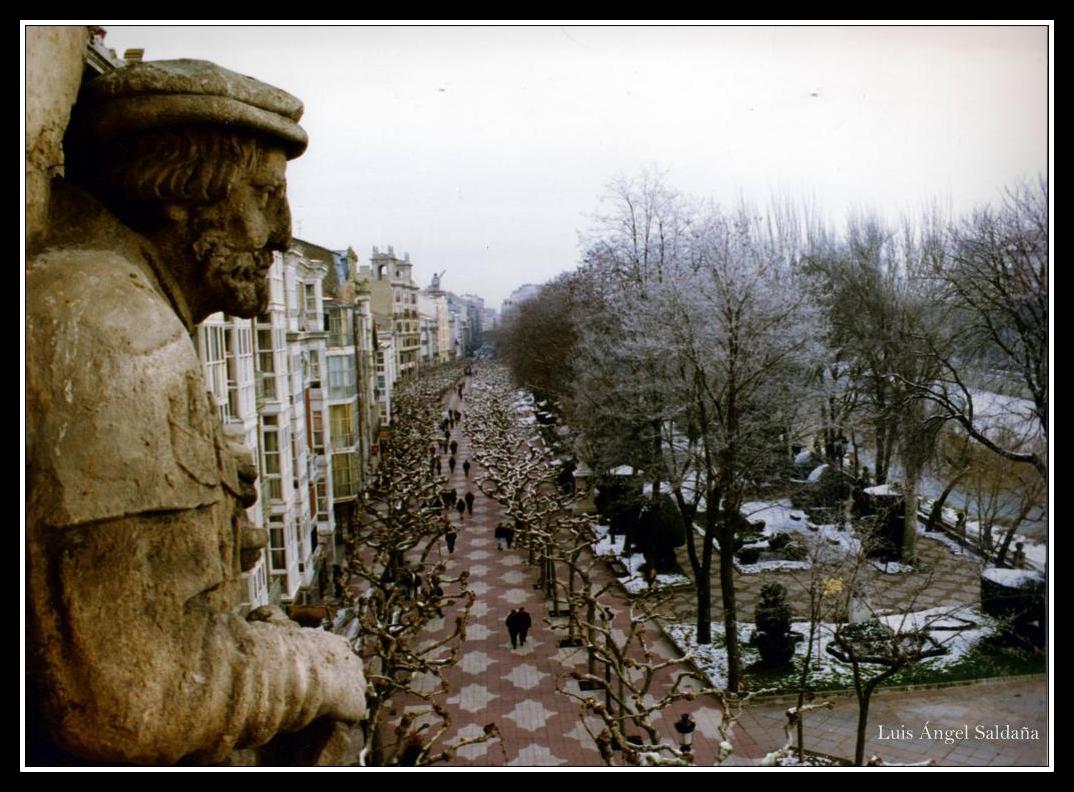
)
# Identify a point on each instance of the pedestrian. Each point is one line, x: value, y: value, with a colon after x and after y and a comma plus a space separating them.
x: 451, y: 462
x: 469, y: 501
x: 500, y: 536
x: 512, y: 627
x: 443, y: 446
x: 524, y: 623
x: 508, y: 534
x: 436, y: 594
x: 462, y: 509
x: 1019, y: 561
x: 454, y: 446
x: 466, y: 467
x: 960, y: 529
x: 450, y: 538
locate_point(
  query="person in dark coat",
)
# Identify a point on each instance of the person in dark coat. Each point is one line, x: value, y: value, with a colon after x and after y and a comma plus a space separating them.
x: 461, y: 506
x: 508, y: 534
x: 454, y: 446
x: 450, y: 538
x: 451, y: 463
x: 524, y: 623
x: 469, y: 497
x: 500, y: 537
x: 466, y: 467
x: 512, y: 627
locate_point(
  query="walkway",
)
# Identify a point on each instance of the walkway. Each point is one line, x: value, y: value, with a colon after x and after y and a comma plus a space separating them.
x: 1013, y: 702
x: 516, y: 689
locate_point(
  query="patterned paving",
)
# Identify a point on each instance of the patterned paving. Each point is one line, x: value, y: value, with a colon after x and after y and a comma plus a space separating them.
x: 513, y: 688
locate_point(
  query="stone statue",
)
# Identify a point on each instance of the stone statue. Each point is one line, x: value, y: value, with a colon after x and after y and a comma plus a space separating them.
x: 136, y: 529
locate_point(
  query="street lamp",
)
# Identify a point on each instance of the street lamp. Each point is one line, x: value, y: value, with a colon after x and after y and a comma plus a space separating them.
x: 685, y: 727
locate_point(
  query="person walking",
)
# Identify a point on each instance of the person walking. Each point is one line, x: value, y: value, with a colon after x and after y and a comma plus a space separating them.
x: 449, y: 539
x: 451, y: 462
x: 500, y: 537
x: 508, y: 534
x: 454, y: 446
x: 461, y: 506
x: 524, y: 623
x: 469, y: 497
x: 512, y: 627
x: 466, y: 467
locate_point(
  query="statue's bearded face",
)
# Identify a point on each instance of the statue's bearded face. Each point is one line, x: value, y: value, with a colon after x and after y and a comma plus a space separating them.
x: 234, y: 239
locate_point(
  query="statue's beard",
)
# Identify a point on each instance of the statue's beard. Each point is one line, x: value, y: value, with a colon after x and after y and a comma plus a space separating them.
x: 235, y: 281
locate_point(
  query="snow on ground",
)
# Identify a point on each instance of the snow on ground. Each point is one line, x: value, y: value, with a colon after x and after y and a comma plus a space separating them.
x: 770, y: 566
x: 892, y: 488
x: 957, y: 630
x: 635, y: 584
x: 779, y: 516
x: 605, y: 546
x: 827, y: 542
x: 1011, y: 577
x: 892, y: 568
x: 1036, y: 552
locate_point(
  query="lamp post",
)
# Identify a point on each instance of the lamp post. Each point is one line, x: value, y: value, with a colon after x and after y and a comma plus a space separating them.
x: 685, y: 727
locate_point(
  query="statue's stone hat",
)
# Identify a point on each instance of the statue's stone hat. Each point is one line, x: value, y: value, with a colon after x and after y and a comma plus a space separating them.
x: 162, y: 94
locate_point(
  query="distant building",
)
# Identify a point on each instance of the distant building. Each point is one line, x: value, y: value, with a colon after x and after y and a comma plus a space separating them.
x: 525, y: 292
x: 394, y: 297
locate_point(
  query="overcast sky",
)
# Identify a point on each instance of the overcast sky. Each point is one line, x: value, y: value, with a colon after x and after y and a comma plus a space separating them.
x: 483, y: 151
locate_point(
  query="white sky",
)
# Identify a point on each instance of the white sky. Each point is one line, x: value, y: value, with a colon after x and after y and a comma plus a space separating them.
x: 484, y: 150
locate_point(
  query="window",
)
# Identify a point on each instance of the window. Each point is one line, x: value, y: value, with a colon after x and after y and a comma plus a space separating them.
x: 341, y: 420
x: 266, y: 365
x: 309, y: 298
x: 277, y: 545
x: 341, y: 379
x: 322, y: 501
x: 317, y: 441
x: 345, y: 474
x: 339, y: 328
x: 270, y: 451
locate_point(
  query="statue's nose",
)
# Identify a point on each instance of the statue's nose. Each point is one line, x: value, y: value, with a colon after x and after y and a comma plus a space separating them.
x: 280, y: 237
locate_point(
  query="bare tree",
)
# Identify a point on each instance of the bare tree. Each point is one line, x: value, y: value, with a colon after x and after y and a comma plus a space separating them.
x: 995, y: 275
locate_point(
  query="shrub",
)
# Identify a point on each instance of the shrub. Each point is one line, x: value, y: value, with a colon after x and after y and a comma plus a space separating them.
x: 773, y: 619
x: 779, y: 541
x: 749, y: 555
x: 795, y: 551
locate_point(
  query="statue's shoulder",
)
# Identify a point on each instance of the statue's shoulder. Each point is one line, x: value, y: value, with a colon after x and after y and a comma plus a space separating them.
x: 118, y: 420
x: 94, y: 277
